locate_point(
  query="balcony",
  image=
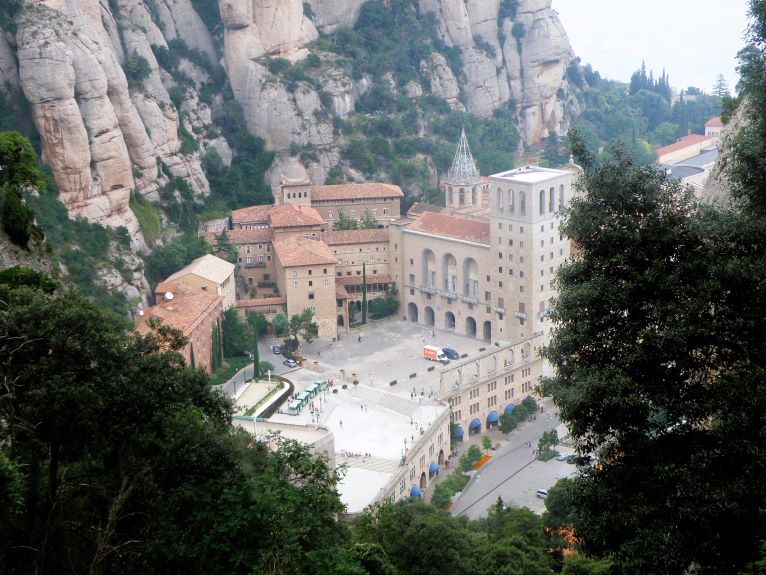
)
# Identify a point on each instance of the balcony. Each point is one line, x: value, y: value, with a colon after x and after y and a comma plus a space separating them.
x: 449, y: 294
x: 255, y: 264
x: 500, y: 310
x: 428, y: 289
x: 520, y: 314
x: 469, y: 299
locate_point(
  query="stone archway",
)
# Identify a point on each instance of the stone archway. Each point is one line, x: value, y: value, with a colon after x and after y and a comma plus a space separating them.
x: 429, y: 316
x: 440, y: 460
x: 423, y: 480
x: 341, y: 321
x: 449, y: 320
x: 487, y: 331
x: 470, y: 326
x: 412, y: 312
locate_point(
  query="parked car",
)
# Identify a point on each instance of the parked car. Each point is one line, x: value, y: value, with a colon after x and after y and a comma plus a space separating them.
x: 290, y: 363
x: 542, y: 493
x: 276, y: 350
x: 571, y: 459
x: 562, y: 456
x: 450, y: 353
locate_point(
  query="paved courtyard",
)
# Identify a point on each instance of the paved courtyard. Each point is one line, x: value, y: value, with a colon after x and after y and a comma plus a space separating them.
x: 374, y: 424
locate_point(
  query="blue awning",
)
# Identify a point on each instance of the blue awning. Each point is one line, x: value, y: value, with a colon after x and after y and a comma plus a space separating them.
x: 475, y: 423
x: 509, y: 408
x: 415, y: 491
x: 457, y: 433
x: 493, y: 417
x: 433, y: 468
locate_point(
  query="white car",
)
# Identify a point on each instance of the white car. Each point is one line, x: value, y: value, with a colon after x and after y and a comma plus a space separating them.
x: 562, y: 456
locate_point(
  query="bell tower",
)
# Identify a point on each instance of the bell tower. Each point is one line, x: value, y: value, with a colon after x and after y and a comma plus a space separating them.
x: 462, y: 186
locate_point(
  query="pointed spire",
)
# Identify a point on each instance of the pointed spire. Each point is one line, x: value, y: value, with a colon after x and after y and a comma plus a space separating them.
x: 463, y: 167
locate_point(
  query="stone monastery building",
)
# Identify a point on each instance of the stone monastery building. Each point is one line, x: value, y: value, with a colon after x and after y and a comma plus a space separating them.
x: 483, y: 266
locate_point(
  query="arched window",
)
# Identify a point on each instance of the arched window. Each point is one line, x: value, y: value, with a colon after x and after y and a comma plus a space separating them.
x: 542, y: 202
x: 510, y: 201
x: 552, y: 200
x: 500, y: 199
x: 561, y: 196
x: 450, y: 199
x: 329, y: 214
x: 522, y: 203
x: 462, y: 196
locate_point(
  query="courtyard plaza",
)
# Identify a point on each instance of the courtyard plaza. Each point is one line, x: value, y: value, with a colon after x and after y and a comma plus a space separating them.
x: 373, y: 423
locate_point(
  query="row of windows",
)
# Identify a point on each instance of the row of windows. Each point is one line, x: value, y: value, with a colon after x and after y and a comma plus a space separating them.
x: 353, y: 263
x: 373, y: 211
x: 310, y: 272
x: 360, y: 249
x: 522, y: 200
x: 248, y: 248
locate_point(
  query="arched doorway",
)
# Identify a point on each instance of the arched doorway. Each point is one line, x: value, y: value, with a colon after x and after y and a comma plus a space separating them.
x: 492, y: 418
x: 340, y: 321
x: 358, y: 306
x: 423, y: 480
x: 470, y: 326
x: 430, y: 318
x: 449, y: 320
x: 487, y: 331
x: 474, y: 427
x: 433, y: 469
x: 412, y: 312
x: 441, y: 457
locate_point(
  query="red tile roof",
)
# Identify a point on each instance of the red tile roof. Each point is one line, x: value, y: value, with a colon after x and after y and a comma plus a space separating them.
x: 302, y: 251
x: 340, y: 291
x: 714, y: 123
x: 240, y: 237
x: 452, y: 226
x: 355, y: 236
x: 421, y: 207
x: 371, y: 279
x: 184, y: 312
x: 251, y: 214
x: 685, y: 142
x: 291, y: 215
x: 355, y: 191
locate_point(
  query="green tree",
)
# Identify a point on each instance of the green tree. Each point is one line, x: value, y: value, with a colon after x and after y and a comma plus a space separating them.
x: 280, y: 325
x: 368, y: 221
x: 486, y: 443
x: 18, y: 171
x: 235, y: 338
x: 132, y: 464
x: 257, y: 322
x: 552, y: 153
x: 345, y: 222
x: 721, y: 86
x: 302, y: 324
x: 548, y: 440
x: 643, y: 376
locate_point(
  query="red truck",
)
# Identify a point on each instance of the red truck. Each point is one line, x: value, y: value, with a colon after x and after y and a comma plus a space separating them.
x: 433, y: 353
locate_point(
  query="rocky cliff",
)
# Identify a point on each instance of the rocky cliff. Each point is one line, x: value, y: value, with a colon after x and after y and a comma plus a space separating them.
x: 102, y: 101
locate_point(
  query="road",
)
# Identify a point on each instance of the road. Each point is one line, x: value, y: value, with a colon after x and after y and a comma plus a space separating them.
x: 513, y: 473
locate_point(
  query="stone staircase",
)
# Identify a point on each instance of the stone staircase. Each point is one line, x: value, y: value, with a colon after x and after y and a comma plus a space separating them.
x: 380, y: 464
x: 388, y: 400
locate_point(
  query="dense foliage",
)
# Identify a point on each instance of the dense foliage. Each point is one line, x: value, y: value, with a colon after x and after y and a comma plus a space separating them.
x: 660, y: 368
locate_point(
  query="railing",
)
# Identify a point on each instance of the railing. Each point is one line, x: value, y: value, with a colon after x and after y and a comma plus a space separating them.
x: 520, y: 314
x: 255, y: 264
x: 449, y: 294
x: 428, y: 289
x: 469, y: 299
x: 500, y: 310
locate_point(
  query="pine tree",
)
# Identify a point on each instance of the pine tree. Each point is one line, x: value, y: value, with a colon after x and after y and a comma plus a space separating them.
x: 721, y: 87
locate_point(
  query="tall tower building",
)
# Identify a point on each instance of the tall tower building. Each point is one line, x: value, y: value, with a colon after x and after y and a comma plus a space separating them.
x: 526, y: 246
x: 462, y: 186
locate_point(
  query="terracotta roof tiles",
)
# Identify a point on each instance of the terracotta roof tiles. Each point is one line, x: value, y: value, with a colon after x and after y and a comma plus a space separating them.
x: 355, y: 236
x: 183, y: 312
x: 291, y: 215
x: 358, y: 280
x: 302, y: 251
x: 714, y: 123
x: 355, y: 191
x: 684, y: 142
x: 251, y: 214
x: 452, y: 226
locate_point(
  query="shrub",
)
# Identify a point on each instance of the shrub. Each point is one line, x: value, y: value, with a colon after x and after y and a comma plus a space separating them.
x: 392, y: 382
x: 344, y: 386
x: 335, y: 390
x: 413, y: 375
x: 431, y: 368
x: 136, y: 68
x: 470, y: 458
x: 518, y: 30
x: 464, y: 355
x: 147, y: 216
